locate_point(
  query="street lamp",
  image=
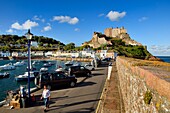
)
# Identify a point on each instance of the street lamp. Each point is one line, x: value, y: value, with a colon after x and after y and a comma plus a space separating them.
x: 29, y: 37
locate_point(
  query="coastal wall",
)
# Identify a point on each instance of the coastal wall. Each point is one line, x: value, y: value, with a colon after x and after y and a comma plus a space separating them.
x: 142, y: 90
x: 69, y: 59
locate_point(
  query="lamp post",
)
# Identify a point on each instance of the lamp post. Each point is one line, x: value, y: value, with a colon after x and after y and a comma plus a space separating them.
x: 29, y: 37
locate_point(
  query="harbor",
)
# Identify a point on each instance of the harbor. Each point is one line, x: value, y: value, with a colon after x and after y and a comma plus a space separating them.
x: 10, y: 83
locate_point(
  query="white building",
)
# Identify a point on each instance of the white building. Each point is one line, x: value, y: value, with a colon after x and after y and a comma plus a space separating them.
x: 34, y: 43
x: 5, y: 54
x: 37, y: 53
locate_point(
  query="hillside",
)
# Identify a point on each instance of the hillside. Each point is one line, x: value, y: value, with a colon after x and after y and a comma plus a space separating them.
x: 14, y: 42
x: 118, y: 40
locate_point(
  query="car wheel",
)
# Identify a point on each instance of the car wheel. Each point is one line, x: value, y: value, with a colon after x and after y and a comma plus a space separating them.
x: 72, y: 84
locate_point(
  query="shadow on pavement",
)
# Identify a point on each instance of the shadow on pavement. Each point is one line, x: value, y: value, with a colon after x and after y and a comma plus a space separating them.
x: 84, y: 110
x: 67, y: 97
x: 55, y: 107
x: 97, y: 74
x: 86, y: 84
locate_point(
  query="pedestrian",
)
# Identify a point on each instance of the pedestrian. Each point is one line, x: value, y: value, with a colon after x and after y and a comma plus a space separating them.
x: 46, y: 97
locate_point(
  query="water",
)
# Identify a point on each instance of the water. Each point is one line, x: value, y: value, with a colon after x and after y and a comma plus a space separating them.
x: 10, y: 83
x: 164, y: 58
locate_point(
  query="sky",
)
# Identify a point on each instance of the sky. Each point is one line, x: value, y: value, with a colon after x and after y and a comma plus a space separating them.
x: 147, y: 21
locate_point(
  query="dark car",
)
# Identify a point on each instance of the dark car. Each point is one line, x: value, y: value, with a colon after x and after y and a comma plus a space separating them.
x: 79, y: 71
x: 54, y: 79
x: 106, y: 59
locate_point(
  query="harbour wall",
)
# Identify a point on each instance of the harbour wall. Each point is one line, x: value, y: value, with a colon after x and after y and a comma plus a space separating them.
x: 142, y: 90
x: 75, y: 59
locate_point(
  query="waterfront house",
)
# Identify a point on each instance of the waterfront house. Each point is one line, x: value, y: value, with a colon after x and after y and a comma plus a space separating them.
x: 49, y: 53
x: 34, y: 43
x: 46, y: 44
x: 5, y: 54
x: 15, y: 54
x: 37, y: 53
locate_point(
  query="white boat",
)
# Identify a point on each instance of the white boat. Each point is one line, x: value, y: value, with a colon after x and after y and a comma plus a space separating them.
x: 4, y: 75
x: 24, y: 77
x: 69, y: 63
x: 43, y: 69
x: 18, y: 64
x: 35, y: 62
x: 7, y: 67
x: 47, y: 65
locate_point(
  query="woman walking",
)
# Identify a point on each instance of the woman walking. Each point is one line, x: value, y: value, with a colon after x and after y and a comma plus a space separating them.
x: 46, y: 97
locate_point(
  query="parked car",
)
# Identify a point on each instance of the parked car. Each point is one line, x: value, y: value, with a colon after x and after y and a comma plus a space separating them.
x: 54, y: 79
x: 79, y: 71
x: 106, y: 59
x: 89, y: 67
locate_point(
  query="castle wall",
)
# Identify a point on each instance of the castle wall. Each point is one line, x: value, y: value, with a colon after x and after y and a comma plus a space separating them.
x: 114, y: 32
x: 108, y: 32
x: 102, y: 41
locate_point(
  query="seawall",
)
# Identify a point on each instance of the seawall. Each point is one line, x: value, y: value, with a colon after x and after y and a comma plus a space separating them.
x: 145, y: 87
x: 69, y: 59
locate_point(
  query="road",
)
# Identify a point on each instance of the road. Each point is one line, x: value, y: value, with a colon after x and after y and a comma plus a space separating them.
x: 83, y: 98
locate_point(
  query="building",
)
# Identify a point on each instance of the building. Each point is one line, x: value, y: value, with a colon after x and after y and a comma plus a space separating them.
x: 99, y: 39
x: 34, y: 43
x: 114, y: 32
x: 5, y: 54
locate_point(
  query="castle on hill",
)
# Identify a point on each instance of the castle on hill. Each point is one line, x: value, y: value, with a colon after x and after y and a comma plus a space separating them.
x: 99, y: 39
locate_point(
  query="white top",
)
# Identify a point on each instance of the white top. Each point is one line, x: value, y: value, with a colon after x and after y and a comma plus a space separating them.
x: 46, y: 93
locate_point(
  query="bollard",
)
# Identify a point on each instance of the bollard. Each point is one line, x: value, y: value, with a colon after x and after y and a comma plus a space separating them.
x: 109, y: 72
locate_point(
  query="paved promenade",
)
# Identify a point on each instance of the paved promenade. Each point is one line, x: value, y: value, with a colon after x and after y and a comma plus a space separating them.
x: 83, y: 98
x: 113, y: 102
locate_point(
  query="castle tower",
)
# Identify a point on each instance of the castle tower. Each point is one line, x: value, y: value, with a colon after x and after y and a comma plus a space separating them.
x: 108, y: 32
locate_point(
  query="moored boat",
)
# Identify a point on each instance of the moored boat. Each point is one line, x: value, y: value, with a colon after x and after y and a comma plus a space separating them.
x: 47, y: 65
x: 18, y: 64
x: 7, y: 67
x: 4, y: 75
x: 24, y: 77
x: 43, y: 69
x: 69, y: 63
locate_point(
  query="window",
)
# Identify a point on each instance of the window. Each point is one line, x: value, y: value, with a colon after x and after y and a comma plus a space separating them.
x: 45, y: 77
x: 58, y: 76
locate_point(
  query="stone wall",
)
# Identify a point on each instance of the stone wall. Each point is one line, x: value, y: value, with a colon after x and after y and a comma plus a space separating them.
x: 142, y: 90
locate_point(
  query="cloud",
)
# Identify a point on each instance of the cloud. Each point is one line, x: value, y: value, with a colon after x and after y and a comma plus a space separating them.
x: 100, y: 15
x: 10, y: 31
x: 115, y: 16
x: 39, y: 18
x: 159, y: 50
x: 66, y: 19
x: 76, y: 29
x: 17, y: 26
x: 143, y: 19
x: 26, y: 25
x: 47, y: 28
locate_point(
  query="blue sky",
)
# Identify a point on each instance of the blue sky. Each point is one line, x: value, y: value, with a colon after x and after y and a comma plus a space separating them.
x: 147, y: 21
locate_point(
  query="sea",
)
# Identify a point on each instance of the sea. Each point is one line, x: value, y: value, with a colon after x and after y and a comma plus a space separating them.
x: 164, y: 58
x: 8, y: 84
